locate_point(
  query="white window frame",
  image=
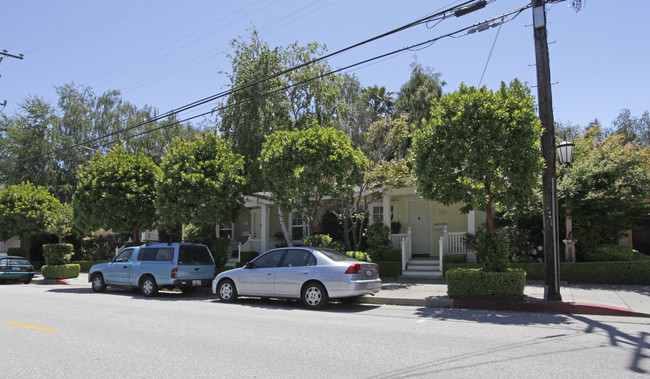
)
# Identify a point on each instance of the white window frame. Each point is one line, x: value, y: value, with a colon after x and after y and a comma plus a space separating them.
x: 224, y: 227
x: 379, y: 204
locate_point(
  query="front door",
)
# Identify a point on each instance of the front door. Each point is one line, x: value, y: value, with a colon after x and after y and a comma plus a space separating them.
x: 420, y: 223
x: 256, y: 224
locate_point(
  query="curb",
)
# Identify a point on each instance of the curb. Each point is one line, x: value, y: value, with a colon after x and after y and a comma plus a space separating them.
x: 548, y: 307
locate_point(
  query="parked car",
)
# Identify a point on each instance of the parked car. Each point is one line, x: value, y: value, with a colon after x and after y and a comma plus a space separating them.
x: 150, y: 267
x: 16, y: 269
x: 312, y: 274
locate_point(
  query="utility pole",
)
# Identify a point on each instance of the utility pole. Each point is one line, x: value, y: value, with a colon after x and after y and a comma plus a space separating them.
x: 5, y: 53
x: 549, y: 187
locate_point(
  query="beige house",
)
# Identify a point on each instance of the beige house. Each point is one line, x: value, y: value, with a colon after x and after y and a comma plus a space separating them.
x: 428, y: 229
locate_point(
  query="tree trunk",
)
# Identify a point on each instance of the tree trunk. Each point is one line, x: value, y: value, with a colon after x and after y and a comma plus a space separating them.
x: 283, y: 225
x: 136, y: 236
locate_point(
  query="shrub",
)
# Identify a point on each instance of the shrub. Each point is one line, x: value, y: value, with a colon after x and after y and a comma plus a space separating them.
x: 464, y: 283
x: 393, y: 255
x: 86, y: 265
x: 61, y: 271
x: 18, y: 251
x: 323, y: 240
x: 609, y: 253
x: 196, y: 233
x: 247, y: 256
x: 492, y: 249
x: 220, y: 249
x: 395, y: 227
x: 57, y: 253
x: 358, y: 255
x: 377, y: 237
x: 635, y: 272
x: 101, y: 245
x: 389, y: 269
x: 454, y: 258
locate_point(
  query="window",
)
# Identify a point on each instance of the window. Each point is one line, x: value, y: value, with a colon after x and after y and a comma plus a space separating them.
x: 297, y: 227
x: 124, y: 255
x: 268, y: 260
x: 156, y: 254
x: 226, y: 231
x: 194, y: 255
x: 377, y: 212
x: 297, y: 258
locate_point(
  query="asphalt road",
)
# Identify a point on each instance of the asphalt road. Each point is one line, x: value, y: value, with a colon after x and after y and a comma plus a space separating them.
x: 70, y: 332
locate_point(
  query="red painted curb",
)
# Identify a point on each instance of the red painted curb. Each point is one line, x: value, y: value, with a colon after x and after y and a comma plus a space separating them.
x: 547, y: 306
x: 61, y: 281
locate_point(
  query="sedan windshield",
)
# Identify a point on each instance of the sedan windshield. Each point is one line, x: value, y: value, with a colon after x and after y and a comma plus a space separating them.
x: 336, y: 256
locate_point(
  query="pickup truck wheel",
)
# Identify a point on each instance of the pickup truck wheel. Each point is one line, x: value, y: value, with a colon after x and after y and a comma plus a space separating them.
x: 148, y: 286
x: 98, y: 283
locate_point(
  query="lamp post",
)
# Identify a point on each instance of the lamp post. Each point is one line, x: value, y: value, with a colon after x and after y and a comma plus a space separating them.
x: 565, y: 154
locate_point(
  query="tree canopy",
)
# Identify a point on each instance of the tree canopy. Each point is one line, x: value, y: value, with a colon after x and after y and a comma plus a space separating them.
x: 300, y: 167
x: 607, y: 187
x: 25, y: 210
x: 201, y: 182
x: 117, y: 192
x: 480, y: 148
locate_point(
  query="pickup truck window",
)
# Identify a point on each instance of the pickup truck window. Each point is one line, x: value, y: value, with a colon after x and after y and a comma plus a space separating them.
x: 124, y: 255
x: 156, y: 254
x: 194, y: 255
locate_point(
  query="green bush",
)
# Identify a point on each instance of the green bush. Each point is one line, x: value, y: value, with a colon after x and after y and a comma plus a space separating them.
x: 196, y: 233
x: 57, y: 253
x: 323, y: 240
x: 377, y: 237
x: 101, y: 245
x: 86, y: 265
x: 635, y: 272
x: 393, y: 255
x: 609, y: 253
x: 358, y: 255
x: 464, y: 283
x: 61, y: 271
x: 389, y: 269
x: 18, y: 251
x: 492, y: 249
x: 395, y: 227
x: 247, y: 256
x: 454, y: 258
x: 220, y: 249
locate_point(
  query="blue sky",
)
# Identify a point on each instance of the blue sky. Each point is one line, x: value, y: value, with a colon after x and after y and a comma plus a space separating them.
x: 166, y: 53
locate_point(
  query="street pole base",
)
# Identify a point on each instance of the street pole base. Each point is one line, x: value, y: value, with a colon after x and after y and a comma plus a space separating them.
x: 551, y: 295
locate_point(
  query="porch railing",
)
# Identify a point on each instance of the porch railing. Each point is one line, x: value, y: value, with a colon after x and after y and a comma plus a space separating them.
x: 456, y: 243
x: 403, y: 242
x: 249, y: 245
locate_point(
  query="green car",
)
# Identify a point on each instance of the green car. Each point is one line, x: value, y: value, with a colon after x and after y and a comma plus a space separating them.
x: 15, y: 269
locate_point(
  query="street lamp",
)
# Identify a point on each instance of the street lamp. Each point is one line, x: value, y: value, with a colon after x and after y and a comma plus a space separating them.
x: 565, y: 151
x: 565, y: 154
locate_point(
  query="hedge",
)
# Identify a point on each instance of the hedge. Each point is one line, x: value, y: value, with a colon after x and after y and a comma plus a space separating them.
x: 247, y: 256
x: 18, y: 251
x: 86, y: 265
x: 393, y: 255
x: 389, y: 269
x: 454, y: 258
x: 57, y: 253
x: 358, y: 255
x: 635, y: 272
x: 464, y: 283
x: 61, y: 271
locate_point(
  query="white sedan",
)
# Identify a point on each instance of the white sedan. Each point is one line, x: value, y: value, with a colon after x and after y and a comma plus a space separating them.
x: 312, y: 274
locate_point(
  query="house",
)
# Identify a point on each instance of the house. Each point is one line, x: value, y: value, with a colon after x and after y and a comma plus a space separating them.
x: 428, y: 229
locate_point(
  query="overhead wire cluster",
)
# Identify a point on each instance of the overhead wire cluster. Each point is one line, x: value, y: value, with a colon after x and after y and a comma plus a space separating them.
x: 454, y: 11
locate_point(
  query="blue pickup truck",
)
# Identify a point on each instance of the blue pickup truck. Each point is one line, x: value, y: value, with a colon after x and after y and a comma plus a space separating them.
x: 151, y: 267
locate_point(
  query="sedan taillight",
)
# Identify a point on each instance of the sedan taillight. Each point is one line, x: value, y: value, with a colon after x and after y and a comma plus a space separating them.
x: 175, y: 273
x: 31, y: 268
x: 377, y: 268
x: 354, y: 269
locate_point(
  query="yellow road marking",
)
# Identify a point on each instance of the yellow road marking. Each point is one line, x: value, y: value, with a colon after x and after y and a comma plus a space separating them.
x: 31, y: 327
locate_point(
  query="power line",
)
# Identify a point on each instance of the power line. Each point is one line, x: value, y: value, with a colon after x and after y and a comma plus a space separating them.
x: 444, y: 13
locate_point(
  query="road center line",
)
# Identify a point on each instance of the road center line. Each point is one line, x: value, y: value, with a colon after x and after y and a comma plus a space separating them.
x: 31, y: 327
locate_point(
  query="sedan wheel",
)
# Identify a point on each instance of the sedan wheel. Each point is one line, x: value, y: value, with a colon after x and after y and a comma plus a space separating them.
x: 148, y: 286
x: 314, y: 296
x: 227, y: 291
x: 98, y: 283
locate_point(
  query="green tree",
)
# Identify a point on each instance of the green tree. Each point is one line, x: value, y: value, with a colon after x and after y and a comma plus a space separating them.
x: 417, y: 94
x: 201, y: 182
x: 480, y: 148
x: 300, y: 167
x: 117, y: 192
x: 607, y: 187
x: 26, y: 210
x: 61, y: 222
x: 633, y: 129
x: 380, y: 102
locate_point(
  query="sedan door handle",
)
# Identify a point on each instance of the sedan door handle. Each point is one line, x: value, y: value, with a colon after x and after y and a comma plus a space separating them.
x: 269, y: 273
x: 125, y: 266
x: 305, y: 272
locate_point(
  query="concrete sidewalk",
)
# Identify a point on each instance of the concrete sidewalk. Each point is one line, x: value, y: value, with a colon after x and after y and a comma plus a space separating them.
x: 620, y: 300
